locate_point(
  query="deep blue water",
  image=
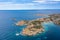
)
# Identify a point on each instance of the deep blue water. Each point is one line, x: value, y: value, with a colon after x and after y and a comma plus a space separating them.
x: 8, y: 29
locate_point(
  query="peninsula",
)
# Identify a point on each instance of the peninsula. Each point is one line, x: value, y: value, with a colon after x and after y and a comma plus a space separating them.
x: 35, y: 26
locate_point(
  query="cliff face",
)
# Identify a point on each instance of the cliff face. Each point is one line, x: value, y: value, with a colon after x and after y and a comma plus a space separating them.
x: 55, y: 18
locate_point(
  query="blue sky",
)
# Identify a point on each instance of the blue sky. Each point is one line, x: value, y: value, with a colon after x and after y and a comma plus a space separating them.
x: 29, y: 4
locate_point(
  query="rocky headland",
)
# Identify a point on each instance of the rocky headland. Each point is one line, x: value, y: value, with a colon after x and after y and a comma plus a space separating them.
x: 34, y: 26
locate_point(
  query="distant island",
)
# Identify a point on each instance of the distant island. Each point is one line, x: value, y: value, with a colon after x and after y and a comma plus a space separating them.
x: 35, y: 26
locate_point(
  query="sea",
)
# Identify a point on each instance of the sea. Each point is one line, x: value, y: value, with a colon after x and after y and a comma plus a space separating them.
x: 9, y: 31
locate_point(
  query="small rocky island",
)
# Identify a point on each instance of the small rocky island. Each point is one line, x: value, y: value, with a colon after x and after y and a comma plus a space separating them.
x: 35, y: 26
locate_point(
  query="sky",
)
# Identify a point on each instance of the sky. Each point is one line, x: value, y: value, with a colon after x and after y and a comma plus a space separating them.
x: 29, y: 4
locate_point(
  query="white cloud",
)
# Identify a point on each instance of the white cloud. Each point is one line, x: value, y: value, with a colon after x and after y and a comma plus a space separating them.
x: 15, y: 6
x: 40, y: 1
x: 54, y: 0
x: 12, y: 6
x: 46, y: 1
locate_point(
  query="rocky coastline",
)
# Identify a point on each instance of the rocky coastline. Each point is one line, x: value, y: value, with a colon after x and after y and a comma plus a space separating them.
x: 34, y: 26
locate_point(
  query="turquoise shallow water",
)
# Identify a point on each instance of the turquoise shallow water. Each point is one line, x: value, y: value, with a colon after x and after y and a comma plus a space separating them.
x: 8, y: 29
